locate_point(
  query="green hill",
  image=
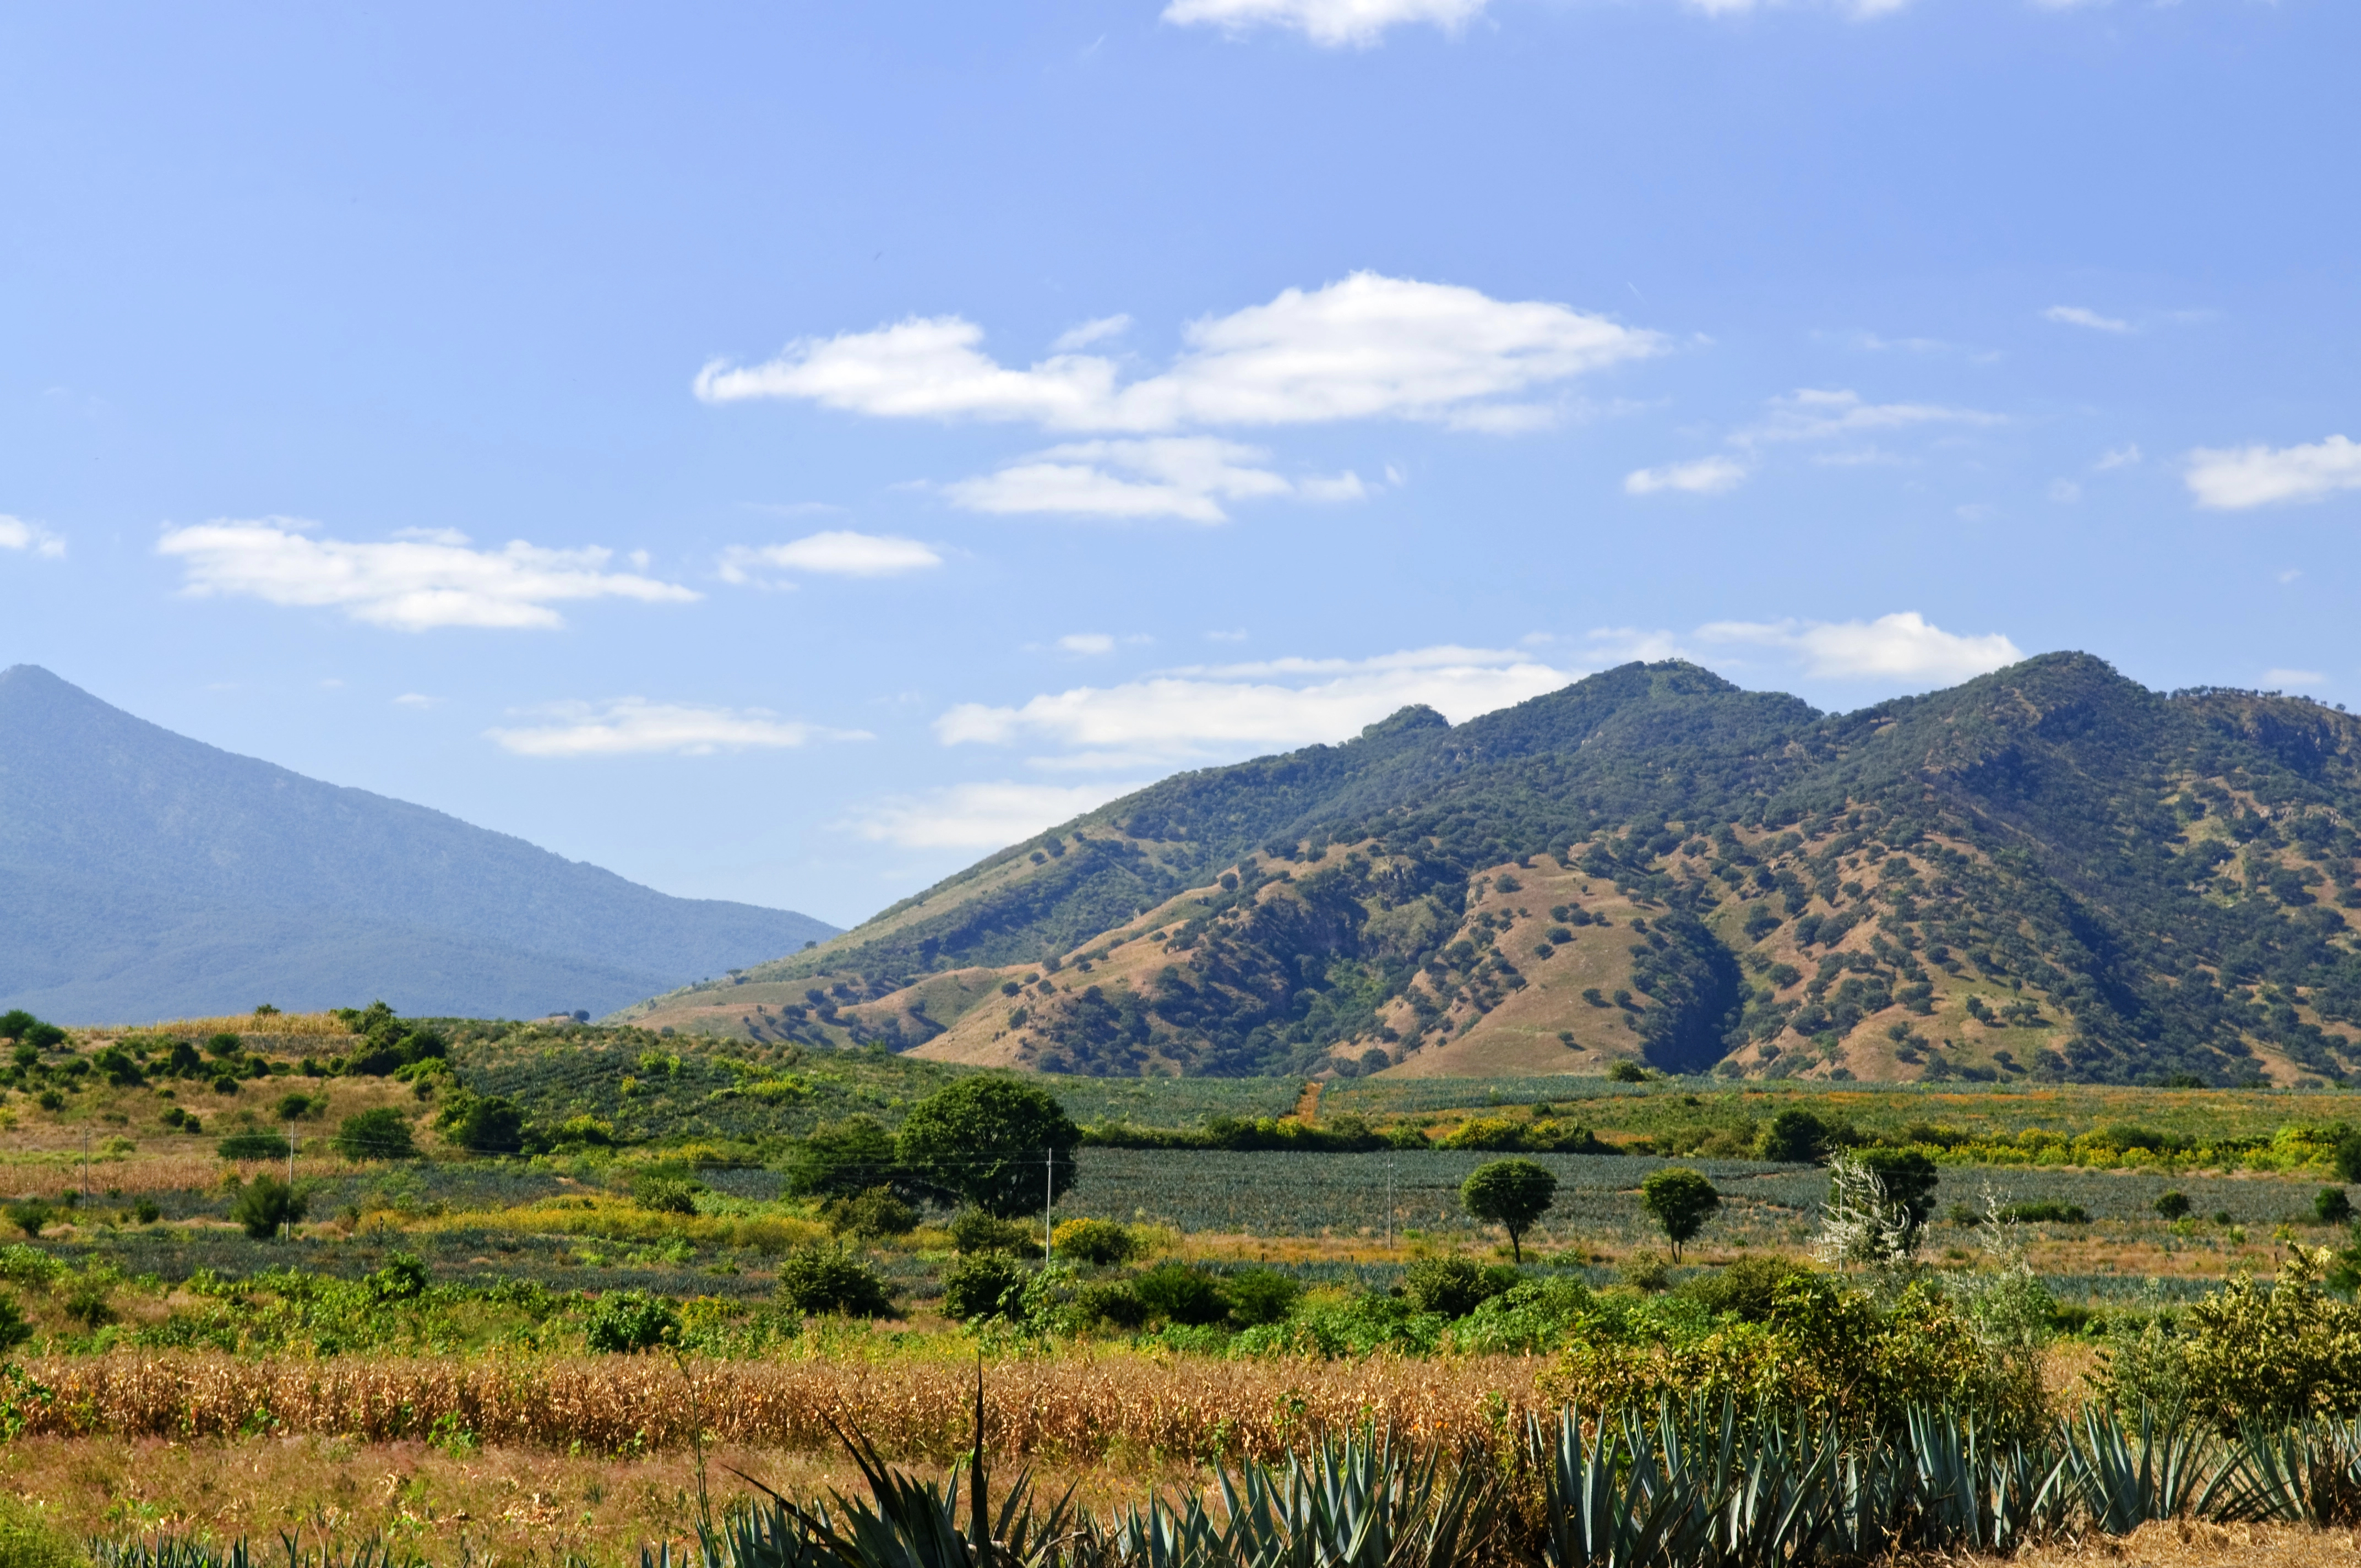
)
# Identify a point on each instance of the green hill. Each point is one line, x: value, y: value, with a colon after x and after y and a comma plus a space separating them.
x: 2050, y: 872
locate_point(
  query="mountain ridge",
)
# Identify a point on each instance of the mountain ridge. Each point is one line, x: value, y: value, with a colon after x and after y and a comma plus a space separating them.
x: 158, y: 875
x: 2049, y: 871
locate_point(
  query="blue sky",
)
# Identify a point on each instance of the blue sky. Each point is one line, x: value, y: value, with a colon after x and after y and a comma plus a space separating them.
x: 781, y: 452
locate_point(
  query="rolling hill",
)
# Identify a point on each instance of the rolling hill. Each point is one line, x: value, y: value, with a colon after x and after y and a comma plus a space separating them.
x: 2047, y: 873
x: 149, y: 875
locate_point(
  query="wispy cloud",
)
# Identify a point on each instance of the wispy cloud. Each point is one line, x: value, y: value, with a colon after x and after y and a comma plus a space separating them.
x: 1365, y: 347
x: 16, y: 533
x: 838, y: 553
x: 2233, y: 478
x: 1186, y: 476
x: 1207, y: 710
x: 1904, y: 646
x: 981, y: 816
x: 632, y: 725
x: 1333, y: 23
x: 2124, y: 456
x: 1087, y: 332
x: 426, y: 579
x: 2076, y: 315
x: 1812, y: 413
x: 2293, y: 680
x: 1702, y: 476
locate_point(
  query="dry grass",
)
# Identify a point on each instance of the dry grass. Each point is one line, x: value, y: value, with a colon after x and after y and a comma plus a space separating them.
x: 1077, y: 1408
x: 490, y: 1507
x: 2190, y: 1545
x: 251, y: 1027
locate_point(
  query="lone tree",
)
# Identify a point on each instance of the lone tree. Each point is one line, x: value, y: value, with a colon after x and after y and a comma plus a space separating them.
x: 1512, y: 1194
x: 841, y: 1159
x: 997, y: 1144
x: 1680, y: 1200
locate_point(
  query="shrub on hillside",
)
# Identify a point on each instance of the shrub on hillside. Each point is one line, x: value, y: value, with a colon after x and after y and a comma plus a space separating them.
x: 973, y: 1230
x: 664, y: 1195
x: 252, y: 1146
x: 381, y: 1133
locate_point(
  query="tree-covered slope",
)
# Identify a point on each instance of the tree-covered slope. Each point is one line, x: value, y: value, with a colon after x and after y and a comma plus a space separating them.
x: 2047, y: 871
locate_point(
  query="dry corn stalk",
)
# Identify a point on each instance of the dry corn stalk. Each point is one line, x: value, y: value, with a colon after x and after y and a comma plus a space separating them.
x: 1073, y: 1407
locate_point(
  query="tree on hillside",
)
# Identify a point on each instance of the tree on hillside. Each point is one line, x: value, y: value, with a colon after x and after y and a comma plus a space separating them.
x: 1007, y: 1147
x: 1680, y: 1200
x: 381, y: 1133
x: 1512, y: 1194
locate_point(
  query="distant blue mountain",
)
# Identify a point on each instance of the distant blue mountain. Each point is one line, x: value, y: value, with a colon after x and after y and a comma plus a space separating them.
x: 144, y: 875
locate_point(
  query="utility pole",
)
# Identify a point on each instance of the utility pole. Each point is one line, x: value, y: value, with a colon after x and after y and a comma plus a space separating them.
x: 287, y: 1226
x: 1048, y: 1201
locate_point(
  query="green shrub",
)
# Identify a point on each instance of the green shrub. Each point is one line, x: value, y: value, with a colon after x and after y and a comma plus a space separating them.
x: 32, y: 1217
x: 982, y: 1285
x: 1178, y: 1293
x: 1259, y: 1296
x: 664, y: 1195
x: 381, y: 1133
x: 624, y: 1322
x: 1110, y: 1301
x: 1364, y: 1325
x: 821, y: 1277
x: 252, y: 1146
x: 1533, y: 1316
x: 1099, y: 1242
x: 1745, y: 1290
x: 14, y: 1330
x: 876, y: 1213
x: 1796, y: 1137
x: 266, y: 1203
x: 90, y: 1303
x: 2172, y: 1205
x: 1453, y: 1286
x: 2275, y: 1352
x: 2331, y: 1206
x: 403, y: 1278
x: 974, y: 1231
x: 482, y: 1125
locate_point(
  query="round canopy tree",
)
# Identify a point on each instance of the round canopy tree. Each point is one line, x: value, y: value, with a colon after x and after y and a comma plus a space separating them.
x: 1512, y: 1194
x: 1679, y: 1200
x: 993, y: 1142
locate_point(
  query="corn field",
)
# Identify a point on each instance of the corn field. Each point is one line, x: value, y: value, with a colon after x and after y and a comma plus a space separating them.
x: 1075, y: 1406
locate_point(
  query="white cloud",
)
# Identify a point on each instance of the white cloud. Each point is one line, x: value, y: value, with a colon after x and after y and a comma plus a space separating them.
x: 1703, y: 476
x: 417, y: 700
x: 1090, y: 332
x: 2124, y: 456
x: 1185, y: 477
x: 1236, y: 634
x: 2075, y: 316
x: 1087, y: 642
x: 2233, y: 478
x: 1229, y: 710
x: 16, y: 533
x: 982, y: 816
x: 838, y: 553
x: 430, y: 579
x: 2281, y: 680
x: 2065, y: 492
x: 1333, y: 23
x: 1816, y: 414
x: 1898, y: 647
x: 1364, y: 348
x: 632, y: 725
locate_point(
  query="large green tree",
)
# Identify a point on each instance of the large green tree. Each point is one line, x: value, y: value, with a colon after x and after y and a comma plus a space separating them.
x: 1512, y: 1194
x: 1005, y: 1146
